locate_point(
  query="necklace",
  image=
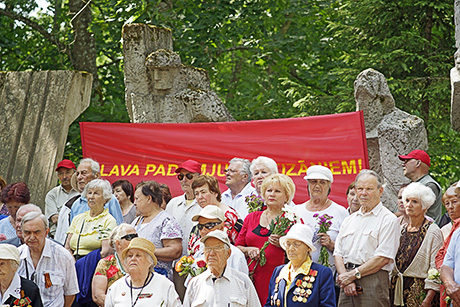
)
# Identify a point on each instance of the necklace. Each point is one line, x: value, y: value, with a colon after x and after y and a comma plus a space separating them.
x: 139, y: 294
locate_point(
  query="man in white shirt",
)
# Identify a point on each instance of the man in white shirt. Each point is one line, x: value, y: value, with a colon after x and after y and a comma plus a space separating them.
x: 366, y: 247
x: 49, y: 265
x: 220, y: 285
x: 58, y: 196
x: 182, y: 208
x: 238, y: 181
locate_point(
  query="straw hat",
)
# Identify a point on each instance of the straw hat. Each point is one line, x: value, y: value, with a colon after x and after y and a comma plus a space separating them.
x: 299, y: 232
x: 142, y: 244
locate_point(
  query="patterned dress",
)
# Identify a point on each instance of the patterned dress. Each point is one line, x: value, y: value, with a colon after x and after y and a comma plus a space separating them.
x: 110, y: 268
x: 414, y: 288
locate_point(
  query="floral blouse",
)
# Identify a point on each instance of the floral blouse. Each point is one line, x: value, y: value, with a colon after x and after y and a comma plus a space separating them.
x: 110, y: 268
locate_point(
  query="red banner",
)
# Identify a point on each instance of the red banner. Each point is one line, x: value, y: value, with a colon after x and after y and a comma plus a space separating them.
x: 138, y: 152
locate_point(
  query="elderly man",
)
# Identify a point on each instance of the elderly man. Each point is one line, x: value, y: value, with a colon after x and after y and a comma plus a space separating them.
x: 15, y: 290
x: 22, y: 211
x: 47, y: 263
x: 87, y: 170
x: 59, y: 195
x: 416, y: 166
x: 238, y: 181
x: 209, y: 219
x: 183, y: 207
x: 220, y: 285
x: 366, y: 247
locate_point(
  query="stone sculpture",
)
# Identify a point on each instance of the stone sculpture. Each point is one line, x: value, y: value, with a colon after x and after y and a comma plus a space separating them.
x: 159, y: 88
x: 389, y: 131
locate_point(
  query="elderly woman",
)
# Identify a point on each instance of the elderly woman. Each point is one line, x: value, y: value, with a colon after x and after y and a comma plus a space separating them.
x: 278, y: 190
x: 90, y: 230
x: 420, y: 241
x: 124, y: 192
x: 261, y: 168
x: 207, y: 192
x: 14, y: 288
x: 301, y: 282
x: 110, y: 269
x: 13, y: 196
x: 142, y: 287
x: 451, y: 201
x: 156, y: 225
x: 319, y: 180
x: 352, y: 199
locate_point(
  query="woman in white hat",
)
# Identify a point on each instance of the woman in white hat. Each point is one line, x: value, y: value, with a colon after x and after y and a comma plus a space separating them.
x: 142, y: 287
x: 301, y: 282
x: 319, y: 180
x: 15, y: 290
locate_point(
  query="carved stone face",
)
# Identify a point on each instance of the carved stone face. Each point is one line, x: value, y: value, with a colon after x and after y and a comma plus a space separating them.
x: 163, y: 78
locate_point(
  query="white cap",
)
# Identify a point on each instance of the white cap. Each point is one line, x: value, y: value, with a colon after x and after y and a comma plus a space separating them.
x: 299, y: 232
x: 319, y: 172
x: 210, y: 212
x: 8, y: 251
x: 218, y: 234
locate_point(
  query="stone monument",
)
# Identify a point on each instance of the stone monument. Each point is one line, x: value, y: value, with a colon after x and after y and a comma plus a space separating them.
x: 389, y: 131
x: 37, y: 109
x: 159, y: 88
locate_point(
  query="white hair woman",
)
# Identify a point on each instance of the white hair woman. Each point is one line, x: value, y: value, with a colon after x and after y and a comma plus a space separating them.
x: 301, y: 282
x: 261, y: 168
x: 14, y: 288
x: 142, y: 287
x: 419, y: 243
x: 90, y: 230
x: 110, y: 268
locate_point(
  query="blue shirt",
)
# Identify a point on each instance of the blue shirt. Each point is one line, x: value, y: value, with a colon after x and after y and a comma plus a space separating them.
x: 81, y: 205
x: 453, y: 253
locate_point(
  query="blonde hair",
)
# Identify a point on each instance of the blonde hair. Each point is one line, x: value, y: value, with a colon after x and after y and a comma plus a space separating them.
x: 284, y: 181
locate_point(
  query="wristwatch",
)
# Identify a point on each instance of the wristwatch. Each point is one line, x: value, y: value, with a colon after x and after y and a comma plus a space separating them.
x: 357, y: 274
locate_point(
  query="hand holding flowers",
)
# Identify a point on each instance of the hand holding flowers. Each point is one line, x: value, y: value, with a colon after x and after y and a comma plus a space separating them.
x: 188, y: 265
x: 324, y: 222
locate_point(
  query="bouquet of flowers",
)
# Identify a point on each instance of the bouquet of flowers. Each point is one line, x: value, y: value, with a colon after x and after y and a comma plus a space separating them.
x: 188, y: 265
x: 435, y: 276
x: 324, y: 225
x: 280, y: 226
x: 255, y: 203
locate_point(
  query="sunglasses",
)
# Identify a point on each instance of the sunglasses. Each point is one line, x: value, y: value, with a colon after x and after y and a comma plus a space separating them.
x: 129, y: 236
x: 188, y: 175
x: 208, y: 225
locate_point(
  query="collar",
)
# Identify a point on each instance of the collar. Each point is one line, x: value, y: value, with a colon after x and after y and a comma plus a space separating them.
x: 46, y: 252
x: 247, y: 190
x: 71, y: 190
x: 375, y: 211
x: 14, y: 289
x: 183, y: 201
x: 89, y: 218
x: 304, y: 269
x: 226, y: 274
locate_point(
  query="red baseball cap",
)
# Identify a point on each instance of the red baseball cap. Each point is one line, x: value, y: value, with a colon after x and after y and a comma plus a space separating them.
x: 66, y: 164
x: 190, y: 165
x: 417, y: 154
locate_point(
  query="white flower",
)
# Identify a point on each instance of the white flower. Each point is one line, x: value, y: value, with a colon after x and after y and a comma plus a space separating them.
x: 433, y: 274
x: 289, y: 214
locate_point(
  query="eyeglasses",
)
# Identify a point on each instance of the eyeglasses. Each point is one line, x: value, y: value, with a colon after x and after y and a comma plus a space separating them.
x: 188, y: 175
x: 208, y: 225
x: 130, y: 236
x: 216, y: 249
x: 295, y: 244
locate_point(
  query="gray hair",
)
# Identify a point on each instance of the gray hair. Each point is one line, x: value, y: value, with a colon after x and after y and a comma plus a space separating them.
x: 245, y: 168
x: 119, y: 232
x: 267, y: 162
x: 421, y: 192
x: 102, y: 184
x: 371, y: 173
x: 30, y: 208
x: 32, y: 216
x: 152, y: 262
x: 94, y: 165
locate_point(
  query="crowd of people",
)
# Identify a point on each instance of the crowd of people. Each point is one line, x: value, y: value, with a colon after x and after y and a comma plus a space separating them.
x: 98, y: 244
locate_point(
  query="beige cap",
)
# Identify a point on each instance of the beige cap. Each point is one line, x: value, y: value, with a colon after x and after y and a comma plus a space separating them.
x: 142, y: 244
x: 210, y: 212
x: 218, y: 234
x: 8, y: 251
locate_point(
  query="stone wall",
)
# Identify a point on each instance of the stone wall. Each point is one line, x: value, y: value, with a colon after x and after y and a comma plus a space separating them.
x: 37, y: 109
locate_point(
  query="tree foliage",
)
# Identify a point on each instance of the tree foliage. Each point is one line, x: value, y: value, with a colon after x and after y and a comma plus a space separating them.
x: 266, y: 58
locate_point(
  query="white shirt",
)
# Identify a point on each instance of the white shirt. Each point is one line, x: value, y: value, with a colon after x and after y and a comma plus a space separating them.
x: 159, y: 291
x: 56, y: 198
x: 239, y: 202
x: 63, y: 225
x: 363, y: 236
x: 338, y: 214
x: 55, y: 262
x: 13, y: 290
x: 183, y: 214
x: 233, y: 288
